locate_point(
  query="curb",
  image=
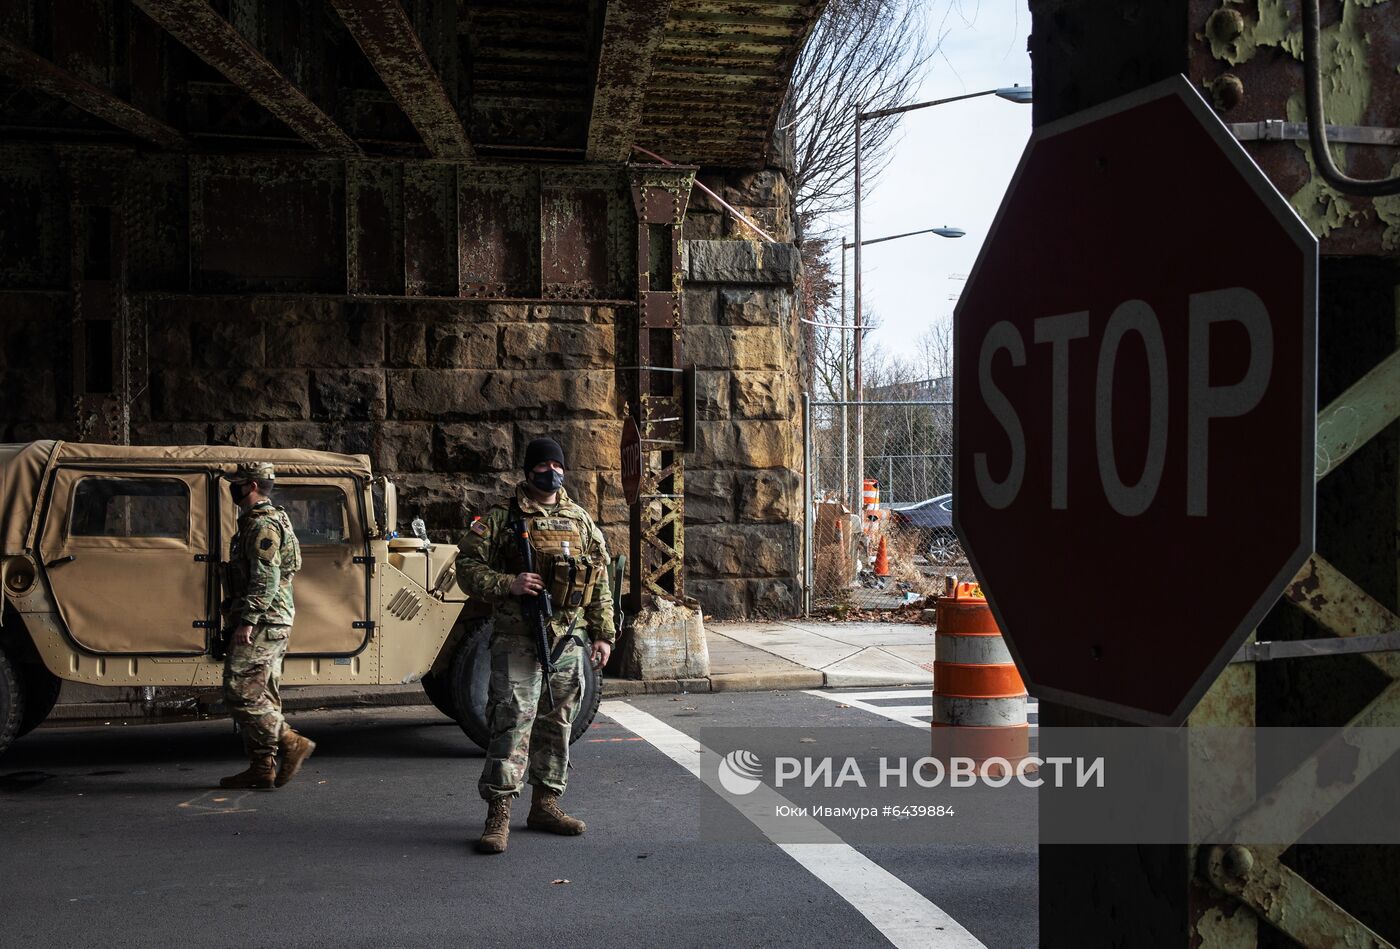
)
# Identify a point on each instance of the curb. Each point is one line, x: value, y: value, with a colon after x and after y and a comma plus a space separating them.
x: 767, y: 681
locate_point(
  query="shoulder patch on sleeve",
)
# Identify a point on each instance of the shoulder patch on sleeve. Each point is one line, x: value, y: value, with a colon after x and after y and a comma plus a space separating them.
x: 267, y: 541
x: 479, y: 527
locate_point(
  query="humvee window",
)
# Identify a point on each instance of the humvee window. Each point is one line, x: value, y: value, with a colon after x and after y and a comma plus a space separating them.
x: 122, y: 507
x: 317, y: 512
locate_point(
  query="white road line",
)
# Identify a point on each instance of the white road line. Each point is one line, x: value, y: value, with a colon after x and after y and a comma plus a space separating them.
x: 858, y: 700
x: 905, y: 917
x: 893, y: 694
x: 916, y: 716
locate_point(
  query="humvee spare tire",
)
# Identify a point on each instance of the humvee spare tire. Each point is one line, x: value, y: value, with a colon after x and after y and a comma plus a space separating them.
x: 470, y: 682
x: 11, y: 702
x: 40, y: 688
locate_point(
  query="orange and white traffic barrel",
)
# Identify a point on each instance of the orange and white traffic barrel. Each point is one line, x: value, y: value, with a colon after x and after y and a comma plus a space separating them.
x: 870, y: 494
x: 979, y: 700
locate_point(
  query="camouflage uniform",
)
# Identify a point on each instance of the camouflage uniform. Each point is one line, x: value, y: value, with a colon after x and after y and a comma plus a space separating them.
x: 263, y: 559
x: 524, y: 737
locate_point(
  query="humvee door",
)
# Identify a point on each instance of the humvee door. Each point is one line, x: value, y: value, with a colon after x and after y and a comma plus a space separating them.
x: 127, y: 555
x: 331, y: 593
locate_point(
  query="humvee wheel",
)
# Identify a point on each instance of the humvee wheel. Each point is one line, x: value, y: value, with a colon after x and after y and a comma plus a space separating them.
x: 440, y: 695
x: 40, y: 688
x: 11, y: 702
x: 470, y: 675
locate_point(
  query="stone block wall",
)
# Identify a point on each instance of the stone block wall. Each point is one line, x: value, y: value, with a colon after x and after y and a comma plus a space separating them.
x: 744, y: 492
x: 442, y: 395
x: 743, y: 540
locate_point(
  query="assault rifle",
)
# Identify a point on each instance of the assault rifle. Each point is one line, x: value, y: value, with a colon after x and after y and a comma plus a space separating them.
x: 538, y: 611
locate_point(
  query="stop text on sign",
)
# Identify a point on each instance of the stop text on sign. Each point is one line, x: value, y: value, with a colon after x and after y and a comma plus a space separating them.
x: 1052, y: 337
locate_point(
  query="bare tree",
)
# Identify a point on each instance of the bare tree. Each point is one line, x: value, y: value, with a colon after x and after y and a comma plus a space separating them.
x: 821, y: 308
x: 863, y: 55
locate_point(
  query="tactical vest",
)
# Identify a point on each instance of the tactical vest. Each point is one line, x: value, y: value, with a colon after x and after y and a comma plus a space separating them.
x: 557, y: 548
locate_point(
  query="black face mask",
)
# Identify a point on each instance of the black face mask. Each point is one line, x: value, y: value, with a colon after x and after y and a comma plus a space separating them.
x: 237, y: 491
x: 547, y: 481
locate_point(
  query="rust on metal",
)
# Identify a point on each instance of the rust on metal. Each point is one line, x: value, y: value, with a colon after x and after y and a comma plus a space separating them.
x: 577, y: 80
x: 374, y: 251
x: 660, y: 195
x: 632, y: 30
x: 388, y: 39
x: 1342, y: 608
x: 585, y: 225
x: 214, y: 40
x: 430, y: 230
x: 102, y: 337
x: 719, y: 76
x: 1247, y: 55
x: 529, y: 68
x: 308, y: 224
x: 29, y: 68
x: 267, y: 224
x: 1308, y: 793
x: 1286, y: 901
x: 498, y: 253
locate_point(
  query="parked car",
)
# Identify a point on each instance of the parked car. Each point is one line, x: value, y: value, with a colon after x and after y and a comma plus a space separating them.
x: 108, y: 558
x: 933, y: 519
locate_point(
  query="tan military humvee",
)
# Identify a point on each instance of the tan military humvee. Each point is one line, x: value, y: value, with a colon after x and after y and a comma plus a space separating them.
x: 108, y: 570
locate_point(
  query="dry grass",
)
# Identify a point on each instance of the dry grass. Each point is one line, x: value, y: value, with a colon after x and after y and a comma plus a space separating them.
x: 902, y: 548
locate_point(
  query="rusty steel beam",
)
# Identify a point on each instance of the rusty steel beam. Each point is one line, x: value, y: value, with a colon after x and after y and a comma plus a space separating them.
x: 1341, y: 607
x: 1288, y: 902
x: 30, y: 69
x: 213, y: 39
x: 392, y: 47
x: 1358, y: 414
x: 1254, y: 874
x: 1308, y: 793
x: 660, y: 195
x: 632, y: 30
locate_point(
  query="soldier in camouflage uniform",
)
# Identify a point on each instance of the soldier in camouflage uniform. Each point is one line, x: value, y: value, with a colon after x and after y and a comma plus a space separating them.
x: 263, y: 559
x: 527, y: 738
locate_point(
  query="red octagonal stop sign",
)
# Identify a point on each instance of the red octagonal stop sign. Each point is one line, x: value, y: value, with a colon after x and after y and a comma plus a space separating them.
x: 1135, y: 404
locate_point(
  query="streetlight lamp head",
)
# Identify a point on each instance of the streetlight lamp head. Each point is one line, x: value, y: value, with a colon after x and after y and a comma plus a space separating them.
x: 1018, y: 93
x: 949, y: 231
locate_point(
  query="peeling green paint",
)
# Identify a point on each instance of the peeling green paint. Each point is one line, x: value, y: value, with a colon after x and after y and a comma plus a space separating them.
x: 1388, y: 210
x: 1321, y: 207
x: 1346, y: 88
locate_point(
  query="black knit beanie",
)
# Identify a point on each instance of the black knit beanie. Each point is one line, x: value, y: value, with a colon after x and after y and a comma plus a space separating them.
x: 543, y: 449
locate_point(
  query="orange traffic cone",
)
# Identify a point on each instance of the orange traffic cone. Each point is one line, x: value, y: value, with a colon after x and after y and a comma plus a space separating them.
x: 882, y: 559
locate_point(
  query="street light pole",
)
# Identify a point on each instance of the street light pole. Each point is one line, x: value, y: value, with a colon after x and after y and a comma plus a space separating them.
x: 845, y: 377
x: 845, y: 370
x: 859, y: 333
x: 1020, y: 94
x: 845, y: 389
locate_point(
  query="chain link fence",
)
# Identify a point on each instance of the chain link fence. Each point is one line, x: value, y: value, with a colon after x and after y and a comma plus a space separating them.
x: 907, y: 510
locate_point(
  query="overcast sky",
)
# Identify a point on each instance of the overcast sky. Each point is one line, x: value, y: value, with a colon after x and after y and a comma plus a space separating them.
x: 951, y: 165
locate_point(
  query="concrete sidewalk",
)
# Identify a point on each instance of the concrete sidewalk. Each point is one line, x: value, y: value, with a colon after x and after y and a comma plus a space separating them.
x: 744, y: 656
x: 801, y: 654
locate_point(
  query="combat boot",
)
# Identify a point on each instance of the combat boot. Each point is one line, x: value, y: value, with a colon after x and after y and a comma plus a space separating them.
x: 545, y: 814
x: 261, y: 774
x: 295, y: 749
x: 497, y: 832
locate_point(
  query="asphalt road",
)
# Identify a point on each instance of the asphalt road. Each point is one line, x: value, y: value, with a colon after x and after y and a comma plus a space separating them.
x: 111, y: 836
